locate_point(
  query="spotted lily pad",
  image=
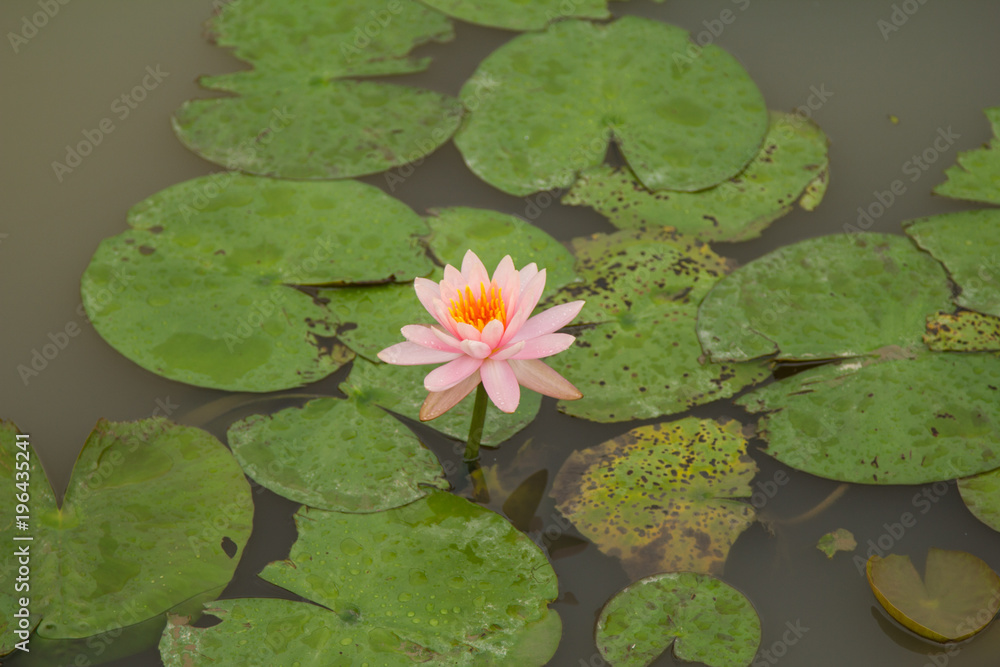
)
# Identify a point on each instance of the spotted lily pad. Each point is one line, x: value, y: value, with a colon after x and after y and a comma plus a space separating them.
x: 968, y: 244
x: 643, y: 358
x: 664, y: 497
x: 202, y: 289
x: 839, y: 540
x: 681, y: 123
x: 155, y: 515
x: 336, y: 454
x: 294, y: 115
x: 791, y: 164
x: 401, y: 389
x: 368, y: 319
x: 977, y: 174
x: 981, y: 494
x: 704, y: 619
x: 826, y: 297
x: 439, y: 580
x: 957, y: 598
x: 890, y: 421
x: 964, y: 331
x: 520, y: 15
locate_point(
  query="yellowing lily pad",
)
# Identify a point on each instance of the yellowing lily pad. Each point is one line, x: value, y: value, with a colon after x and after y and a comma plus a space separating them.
x: 440, y: 580
x: 336, y: 454
x: 156, y: 515
x: 839, y: 540
x: 203, y: 288
x: 900, y: 420
x: 518, y: 14
x: 294, y: 115
x: 964, y: 331
x: 968, y: 244
x: 705, y: 620
x: 957, y: 598
x: 977, y: 174
x: 664, y: 497
x: 682, y: 123
x: 791, y: 165
x: 833, y: 296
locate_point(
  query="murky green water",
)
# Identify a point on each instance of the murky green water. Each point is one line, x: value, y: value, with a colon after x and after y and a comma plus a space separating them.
x: 835, y: 60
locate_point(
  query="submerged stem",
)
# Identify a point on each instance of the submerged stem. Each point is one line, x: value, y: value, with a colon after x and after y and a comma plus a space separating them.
x: 476, y: 427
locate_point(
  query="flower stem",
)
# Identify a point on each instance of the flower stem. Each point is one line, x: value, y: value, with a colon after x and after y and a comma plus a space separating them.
x: 476, y: 427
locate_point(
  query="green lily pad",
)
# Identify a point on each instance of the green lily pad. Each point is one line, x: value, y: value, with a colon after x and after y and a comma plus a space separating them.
x: 491, y: 235
x: 681, y: 123
x: 792, y: 164
x: 704, y: 619
x: 663, y: 497
x: 839, y: 540
x: 977, y: 174
x: 294, y: 116
x: 518, y: 14
x: 202, y: 289
x: 634, y: 273
x: 368, y: 319
x: 440, y: 579
x: 645, y: 366
x: 401, y: 389
x: 957, y: 598
x: 968, y: 244
x: 643, y: 359
x: 981, y: 494
x: 155, y: 514
x: 895, y: 421
x: 336, y: 454
x: 964, y: 331
x: 833, y: 296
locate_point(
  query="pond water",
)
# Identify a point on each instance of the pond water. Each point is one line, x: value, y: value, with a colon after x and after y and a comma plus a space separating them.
x: 837, y: 61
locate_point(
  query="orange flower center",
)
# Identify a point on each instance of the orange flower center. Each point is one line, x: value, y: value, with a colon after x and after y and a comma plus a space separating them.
x: 478, y: 310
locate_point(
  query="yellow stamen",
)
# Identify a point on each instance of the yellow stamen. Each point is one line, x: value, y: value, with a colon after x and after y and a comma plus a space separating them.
x: 478, y: 310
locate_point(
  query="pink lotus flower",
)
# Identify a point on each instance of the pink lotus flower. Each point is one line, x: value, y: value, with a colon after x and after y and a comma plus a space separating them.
x: 485, y: 335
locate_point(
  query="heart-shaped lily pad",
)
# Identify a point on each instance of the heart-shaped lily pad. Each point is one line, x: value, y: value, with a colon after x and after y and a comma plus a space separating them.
x: 202, y: 289
x: 977, y: 174
x: 704, y: 619
x: 336, y: 454
x: 663, y: 497
x: 957, y: 598
x: 155, y: 515
x: 964, y: 331
x: 682, y: 123
x: 892, y: 421
x: 792, y: 164
x: 826, y: 297
x: 968, y: 244
x: 518, y: 14
x: 440, y: 579
x: 295, y: 116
